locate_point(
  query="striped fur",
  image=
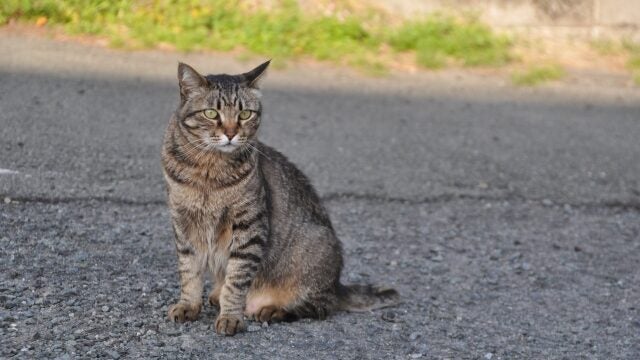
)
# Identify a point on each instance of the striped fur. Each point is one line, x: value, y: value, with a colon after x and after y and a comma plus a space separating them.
x: 244, y: 214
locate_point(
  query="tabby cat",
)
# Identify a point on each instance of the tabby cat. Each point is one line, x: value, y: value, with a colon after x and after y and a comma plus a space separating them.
x: 246, y: 215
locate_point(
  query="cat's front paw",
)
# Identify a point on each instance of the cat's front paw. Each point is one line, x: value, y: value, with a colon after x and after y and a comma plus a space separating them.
x: 227, y: 324
x: 182, y: 312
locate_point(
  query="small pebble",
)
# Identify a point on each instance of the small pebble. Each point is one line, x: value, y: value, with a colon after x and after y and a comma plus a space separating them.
x: 7, y: 200
x: 105, y: 308
x: 253, y: 328
x: 114, y: 354
x: 389, y: 316
x: 488, y: 356
x: 547, y: 202
x: 414, y: 335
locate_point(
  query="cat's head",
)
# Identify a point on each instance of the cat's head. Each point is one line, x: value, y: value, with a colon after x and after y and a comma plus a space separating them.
x: 219, y: 112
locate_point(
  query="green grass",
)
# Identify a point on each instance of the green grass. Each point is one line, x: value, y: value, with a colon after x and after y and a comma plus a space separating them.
x: 537, y: 75
x: 629, y: 49
x: 634, y: 65
x: 438, y: 40
x: 283, y: 32
x: 606, y: 46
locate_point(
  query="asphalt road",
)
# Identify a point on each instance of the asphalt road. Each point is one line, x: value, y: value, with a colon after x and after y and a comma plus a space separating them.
x: 508, y: 219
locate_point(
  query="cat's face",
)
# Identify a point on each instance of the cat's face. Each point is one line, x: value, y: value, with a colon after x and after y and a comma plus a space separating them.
x: 219, y: 112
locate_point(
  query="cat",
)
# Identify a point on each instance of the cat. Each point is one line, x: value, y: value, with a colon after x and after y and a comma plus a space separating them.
x: 246, y: 215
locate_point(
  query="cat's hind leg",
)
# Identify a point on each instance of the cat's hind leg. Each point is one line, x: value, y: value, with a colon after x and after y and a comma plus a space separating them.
x: 273, y: 305
x: 269, y: 304
x: 315, y: 306
x: 271, y: 314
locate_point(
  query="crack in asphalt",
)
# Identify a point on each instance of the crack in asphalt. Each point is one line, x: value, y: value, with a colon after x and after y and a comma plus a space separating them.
x: 630, y: 205
x: 68, y: 200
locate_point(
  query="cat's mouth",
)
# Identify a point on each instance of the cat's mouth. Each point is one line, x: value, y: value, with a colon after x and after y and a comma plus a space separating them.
x: 228, y: 147
x: 225, y: 145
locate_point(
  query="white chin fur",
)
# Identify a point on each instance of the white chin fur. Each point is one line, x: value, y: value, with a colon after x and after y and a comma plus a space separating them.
x: 226, y: 148
x: 228, y: 145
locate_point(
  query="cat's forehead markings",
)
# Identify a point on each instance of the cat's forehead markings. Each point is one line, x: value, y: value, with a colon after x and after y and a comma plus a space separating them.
x: 228, y: 92
x: 225, y: 100
x: 223, y: 82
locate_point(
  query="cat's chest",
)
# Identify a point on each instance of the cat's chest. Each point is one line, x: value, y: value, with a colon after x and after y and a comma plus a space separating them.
x: 204, y: 201
x: 206, y: 217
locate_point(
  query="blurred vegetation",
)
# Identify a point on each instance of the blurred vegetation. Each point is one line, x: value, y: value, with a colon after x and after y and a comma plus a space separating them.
x: 628, y: 49
x: 634, y: 65
x: 438, y: 39
x: 282, y: 31
x: 537, y: 75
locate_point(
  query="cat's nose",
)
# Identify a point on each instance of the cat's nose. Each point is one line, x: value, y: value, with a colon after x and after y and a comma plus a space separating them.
x: 230, y: 133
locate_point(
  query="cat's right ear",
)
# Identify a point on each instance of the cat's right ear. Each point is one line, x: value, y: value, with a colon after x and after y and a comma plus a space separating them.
x: 191, y: 83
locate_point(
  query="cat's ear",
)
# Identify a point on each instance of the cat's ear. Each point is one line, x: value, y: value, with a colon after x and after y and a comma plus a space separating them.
x: 252, y: 78
x: 191, y: 83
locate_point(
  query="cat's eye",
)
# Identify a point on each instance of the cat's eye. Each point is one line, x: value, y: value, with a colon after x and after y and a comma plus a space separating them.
x: 244, y: 114
x: 210, y: 113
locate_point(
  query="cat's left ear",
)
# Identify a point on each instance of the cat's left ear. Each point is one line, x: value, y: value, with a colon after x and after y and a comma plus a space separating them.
x: 252, y: 78
x: 191, y: 83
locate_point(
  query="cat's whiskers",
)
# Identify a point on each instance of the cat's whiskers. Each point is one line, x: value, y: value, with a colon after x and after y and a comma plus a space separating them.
x: 204, y: 151
x: 187, y: 153
x: 198, y: 142
x: 196, y: 151
x: 256, y: 149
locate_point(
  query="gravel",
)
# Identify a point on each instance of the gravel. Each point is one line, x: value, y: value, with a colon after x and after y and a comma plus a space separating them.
x: 94, y: 279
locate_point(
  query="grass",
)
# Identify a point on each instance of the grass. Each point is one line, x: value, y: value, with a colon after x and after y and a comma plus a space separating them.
x: 195, y: 25
x: 606, y: 47
x: 282, y: 32
x: 537, y: 75
x: 626, y: 48
x: 438, y: 40
x: 633, y: 64
x: 632, y: 50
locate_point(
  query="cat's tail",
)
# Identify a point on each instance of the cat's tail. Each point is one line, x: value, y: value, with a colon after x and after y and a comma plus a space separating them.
x: 359, y: 298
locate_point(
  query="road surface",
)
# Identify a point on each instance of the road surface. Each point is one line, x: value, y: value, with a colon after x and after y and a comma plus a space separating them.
x: 508, y: 219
